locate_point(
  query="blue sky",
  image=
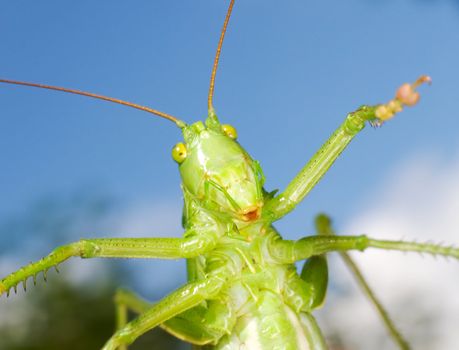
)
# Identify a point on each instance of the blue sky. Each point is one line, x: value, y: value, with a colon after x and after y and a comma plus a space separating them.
x: 288, y: 76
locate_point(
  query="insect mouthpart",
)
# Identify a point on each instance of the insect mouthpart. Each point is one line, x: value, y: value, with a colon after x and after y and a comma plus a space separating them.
x: 251, y: 213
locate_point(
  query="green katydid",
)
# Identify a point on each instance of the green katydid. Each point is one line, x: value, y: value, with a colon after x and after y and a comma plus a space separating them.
x: 243, y: 287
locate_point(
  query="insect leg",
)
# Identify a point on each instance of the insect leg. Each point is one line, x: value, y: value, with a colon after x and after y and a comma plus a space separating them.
x: 288, y: 252
x: 315, y: 273
x: 182, y: 299
x: 162, y: 248
x: 322, y: 160
x: 126, y: 300
x: 196, y: 325
x: 323, y: 225
x: 202, y: 325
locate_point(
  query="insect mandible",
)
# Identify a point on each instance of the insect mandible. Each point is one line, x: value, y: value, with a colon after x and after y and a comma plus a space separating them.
x: 238, y: 265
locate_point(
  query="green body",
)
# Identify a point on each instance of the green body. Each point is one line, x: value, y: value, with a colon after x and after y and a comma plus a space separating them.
x: 264, y: 304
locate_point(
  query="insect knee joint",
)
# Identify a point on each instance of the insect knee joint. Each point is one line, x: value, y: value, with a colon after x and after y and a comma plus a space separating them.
x: 196, y: 245
x: 361, y: 243
x: 354, y: 123
x: 87, y: 249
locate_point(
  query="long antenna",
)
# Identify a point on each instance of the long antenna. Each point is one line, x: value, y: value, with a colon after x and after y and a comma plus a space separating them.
x: 179, y: 123
x: 217, y: 57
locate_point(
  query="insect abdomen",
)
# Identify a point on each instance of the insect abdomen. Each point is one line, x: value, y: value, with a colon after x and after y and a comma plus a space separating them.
x: 270, y: 324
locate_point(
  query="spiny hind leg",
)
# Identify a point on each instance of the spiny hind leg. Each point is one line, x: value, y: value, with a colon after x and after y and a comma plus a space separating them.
x: 182, y: 299
x: 199, y: 325
x: 288, y: 252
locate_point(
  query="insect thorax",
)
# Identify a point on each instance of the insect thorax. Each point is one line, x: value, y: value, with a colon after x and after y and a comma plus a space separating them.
x: 263, y: 300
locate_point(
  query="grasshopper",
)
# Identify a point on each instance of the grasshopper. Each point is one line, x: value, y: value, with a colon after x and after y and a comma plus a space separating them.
x: 243, y: 289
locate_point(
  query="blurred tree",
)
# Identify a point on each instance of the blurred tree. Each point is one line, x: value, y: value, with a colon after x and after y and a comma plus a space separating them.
x: 63, y: 314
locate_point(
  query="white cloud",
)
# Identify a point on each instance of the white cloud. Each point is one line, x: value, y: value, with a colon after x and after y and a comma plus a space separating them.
x: 419, y: 201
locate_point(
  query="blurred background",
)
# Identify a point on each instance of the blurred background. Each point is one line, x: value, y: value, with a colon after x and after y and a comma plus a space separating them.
x: 72, y: 167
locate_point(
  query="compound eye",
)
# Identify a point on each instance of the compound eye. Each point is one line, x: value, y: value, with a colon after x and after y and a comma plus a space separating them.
x: 179, y: 152
x: 230, y: 131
